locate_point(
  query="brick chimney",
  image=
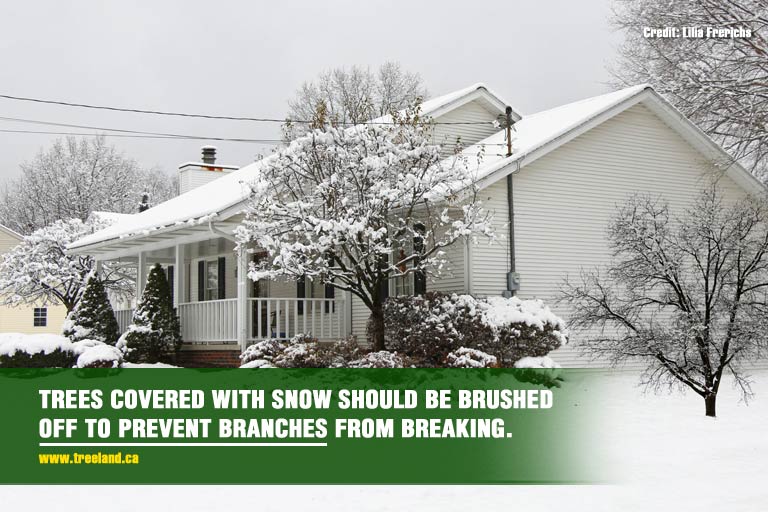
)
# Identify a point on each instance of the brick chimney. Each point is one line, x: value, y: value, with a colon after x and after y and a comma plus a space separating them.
x: 195, y: 174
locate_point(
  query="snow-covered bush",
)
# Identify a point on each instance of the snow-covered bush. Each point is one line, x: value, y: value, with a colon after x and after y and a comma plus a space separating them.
x: 265, y: 350
x: 300, y: 352
x: 154, y: 334
x: 100, y: 355
x: 36, y: 351
x: 539, y: 370
x: 427, y: 328
x: 380, y: 359
x: 55, y: 351
x: 470, y: 358
x: 93, y: 317
x: 257, y: 363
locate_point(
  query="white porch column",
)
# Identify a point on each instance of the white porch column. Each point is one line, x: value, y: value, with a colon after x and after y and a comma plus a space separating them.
x: 141, y: 275
x: 179, y: 275
x: 242, y: 298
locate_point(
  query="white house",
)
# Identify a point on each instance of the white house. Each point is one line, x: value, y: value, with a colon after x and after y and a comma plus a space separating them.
x: 570, y: 166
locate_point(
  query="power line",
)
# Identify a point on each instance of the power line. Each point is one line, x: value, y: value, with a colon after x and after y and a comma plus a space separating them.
x: 120, y: 132
x: 201, y: 116
x: 137, y: 136
x: 138, y: 132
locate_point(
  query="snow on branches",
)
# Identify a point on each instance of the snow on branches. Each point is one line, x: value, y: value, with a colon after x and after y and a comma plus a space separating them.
x: 719, y: 82
x: 685, y: 292
x: 356, y: 207
x: 39, y: 270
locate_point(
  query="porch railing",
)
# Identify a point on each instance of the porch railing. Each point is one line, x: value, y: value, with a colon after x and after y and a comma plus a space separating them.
x: 123, y: 317
x: 324, y: 319
x: 212, y: 321
x: 215, y: 321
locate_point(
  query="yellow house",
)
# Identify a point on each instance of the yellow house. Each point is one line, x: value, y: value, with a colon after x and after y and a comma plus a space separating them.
x: 27, y: 319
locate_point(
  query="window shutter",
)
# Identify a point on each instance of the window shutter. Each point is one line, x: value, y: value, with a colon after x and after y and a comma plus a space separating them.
x: 222, y: 278
x: 171, y: 277
x: 301, y: 293
x: 384, y: 290
x: 201, y: 280
x: 330, y: 293
x: 419, y: 277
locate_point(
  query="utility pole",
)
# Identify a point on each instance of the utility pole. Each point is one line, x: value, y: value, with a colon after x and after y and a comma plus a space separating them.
x: 508, y: 126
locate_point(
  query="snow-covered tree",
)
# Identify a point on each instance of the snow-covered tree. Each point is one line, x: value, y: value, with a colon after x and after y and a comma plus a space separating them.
x: 356, y: 207
x: 39, y: 270
x: 75, y: 177
x: 93, y: 317
x: 154, y: 334
x: 687, y: 293
x: 719, y: 82
x: 344, y: 96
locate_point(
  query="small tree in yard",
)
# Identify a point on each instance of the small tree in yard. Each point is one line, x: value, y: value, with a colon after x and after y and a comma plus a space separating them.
x: 356, y: 207
x: 40, y: 271
x: 685, y: 293
x: 154, y: 334
x: 93, y: 318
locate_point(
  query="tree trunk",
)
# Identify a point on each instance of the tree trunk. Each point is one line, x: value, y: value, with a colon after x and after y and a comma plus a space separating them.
x: 376, y: 327
x: 710, y: 402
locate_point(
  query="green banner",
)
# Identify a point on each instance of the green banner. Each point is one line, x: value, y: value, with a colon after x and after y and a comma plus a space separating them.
x: 314, y: 426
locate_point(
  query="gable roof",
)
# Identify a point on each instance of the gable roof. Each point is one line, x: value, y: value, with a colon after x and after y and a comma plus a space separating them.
x: 535, y: 135
x: 221, y: 197
x: 440, y: 105
x: 538, y: 134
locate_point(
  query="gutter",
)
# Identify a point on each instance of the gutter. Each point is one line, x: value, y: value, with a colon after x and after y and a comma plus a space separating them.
x: 216, y: 231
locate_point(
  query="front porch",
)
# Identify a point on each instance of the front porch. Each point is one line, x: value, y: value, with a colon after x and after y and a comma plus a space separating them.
x: 221, y: 309
x: 215, y: 323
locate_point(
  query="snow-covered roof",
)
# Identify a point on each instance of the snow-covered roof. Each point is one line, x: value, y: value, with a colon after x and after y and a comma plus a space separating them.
x: 110, y: 217
x: 534, y: 135
x: 536, y: 130
x: 436, y: 106
x: 200, y: 204
x: 191, y: 207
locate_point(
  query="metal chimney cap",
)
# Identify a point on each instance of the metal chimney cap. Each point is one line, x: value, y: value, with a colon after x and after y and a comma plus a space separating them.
x: 209, y: 154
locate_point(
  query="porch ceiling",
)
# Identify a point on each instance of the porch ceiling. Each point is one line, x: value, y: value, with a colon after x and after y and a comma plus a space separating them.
x: 158, y: 243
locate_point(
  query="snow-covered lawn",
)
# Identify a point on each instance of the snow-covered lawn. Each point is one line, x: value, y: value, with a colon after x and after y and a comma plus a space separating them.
x: 671, y: 458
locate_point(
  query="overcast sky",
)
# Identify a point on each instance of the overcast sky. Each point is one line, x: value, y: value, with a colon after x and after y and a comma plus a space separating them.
x: 247, y: 58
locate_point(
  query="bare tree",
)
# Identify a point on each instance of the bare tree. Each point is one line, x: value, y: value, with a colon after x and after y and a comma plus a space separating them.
x: 719, y: 82
x: 344, y: 96
x: 685, y: 293
x: 75, y: 177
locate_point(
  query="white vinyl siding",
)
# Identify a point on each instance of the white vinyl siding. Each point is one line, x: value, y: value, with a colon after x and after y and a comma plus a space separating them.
x: 490, y: 258
x: 564, y: 201
x: 468, y: 134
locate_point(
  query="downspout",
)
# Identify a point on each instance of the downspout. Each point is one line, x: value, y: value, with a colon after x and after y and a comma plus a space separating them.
x: 513, y: 278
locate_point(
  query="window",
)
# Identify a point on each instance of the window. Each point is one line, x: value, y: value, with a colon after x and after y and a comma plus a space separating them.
x: 413, y: 283
x: 212, y: 280
x: 40, y: 317
x: 403, y: 284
